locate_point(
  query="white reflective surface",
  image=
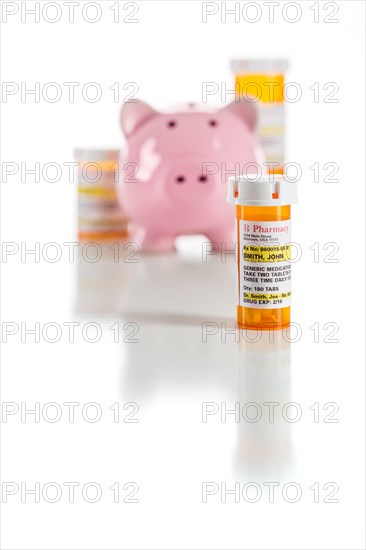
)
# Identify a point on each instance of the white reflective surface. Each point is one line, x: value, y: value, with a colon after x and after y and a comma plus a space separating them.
x: 226, y: 420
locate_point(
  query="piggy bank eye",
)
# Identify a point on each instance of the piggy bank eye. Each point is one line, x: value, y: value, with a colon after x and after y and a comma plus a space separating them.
x: 180, y: 179
x: 202, y: 179
x: 171, y: 124
x: 212, y: 122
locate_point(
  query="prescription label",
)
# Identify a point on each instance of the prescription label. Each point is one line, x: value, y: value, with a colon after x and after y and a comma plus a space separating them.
x: 264, y: 255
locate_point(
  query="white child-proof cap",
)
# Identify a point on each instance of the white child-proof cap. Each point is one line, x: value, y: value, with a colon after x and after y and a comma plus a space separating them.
x: 259, y: 66
x: 96, y: 155
x: 258, y: 190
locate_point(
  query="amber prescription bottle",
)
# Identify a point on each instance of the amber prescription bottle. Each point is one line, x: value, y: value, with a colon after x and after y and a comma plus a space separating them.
x: 100, y: 216
x: 264, y: 80
x: 263, y: 212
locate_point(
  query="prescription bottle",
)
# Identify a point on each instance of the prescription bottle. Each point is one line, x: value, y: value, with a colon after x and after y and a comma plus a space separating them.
x: 263, y: 80
x: 263, y: 212
x: 99, y: 214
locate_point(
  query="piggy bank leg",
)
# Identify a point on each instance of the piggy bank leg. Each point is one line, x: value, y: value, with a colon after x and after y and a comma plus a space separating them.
x: 222, y: 237
x: 150, y: 240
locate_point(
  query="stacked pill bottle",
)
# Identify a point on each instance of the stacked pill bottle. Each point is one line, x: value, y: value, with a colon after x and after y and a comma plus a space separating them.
x: 264, y: 81
x: 263, y: 212
x: 99, y: 214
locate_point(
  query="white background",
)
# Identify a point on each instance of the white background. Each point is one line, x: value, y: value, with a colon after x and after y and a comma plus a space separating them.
x: 171, y: 371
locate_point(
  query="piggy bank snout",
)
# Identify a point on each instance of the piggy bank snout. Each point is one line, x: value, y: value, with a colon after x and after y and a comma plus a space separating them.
x: 188, y: 181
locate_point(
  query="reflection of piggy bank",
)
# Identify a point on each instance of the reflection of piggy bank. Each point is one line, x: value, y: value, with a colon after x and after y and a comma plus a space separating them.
x: 176, y: 168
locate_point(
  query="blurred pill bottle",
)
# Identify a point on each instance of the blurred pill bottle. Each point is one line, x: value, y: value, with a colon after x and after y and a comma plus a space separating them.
x: 264, y: 81
x: 100, y: 216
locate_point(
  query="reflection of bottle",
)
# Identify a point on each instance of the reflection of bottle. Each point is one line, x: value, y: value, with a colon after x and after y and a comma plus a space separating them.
x: 263, y: 79
x: 264, y: 437
x: 100, y: 216
x: 102, y: 278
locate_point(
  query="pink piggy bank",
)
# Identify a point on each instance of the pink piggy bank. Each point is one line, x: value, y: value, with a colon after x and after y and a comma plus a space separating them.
x: 176, y: 168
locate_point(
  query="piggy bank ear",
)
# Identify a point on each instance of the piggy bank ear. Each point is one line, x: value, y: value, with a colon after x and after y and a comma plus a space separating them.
x: 134, y: 114
x: 246, y: 110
